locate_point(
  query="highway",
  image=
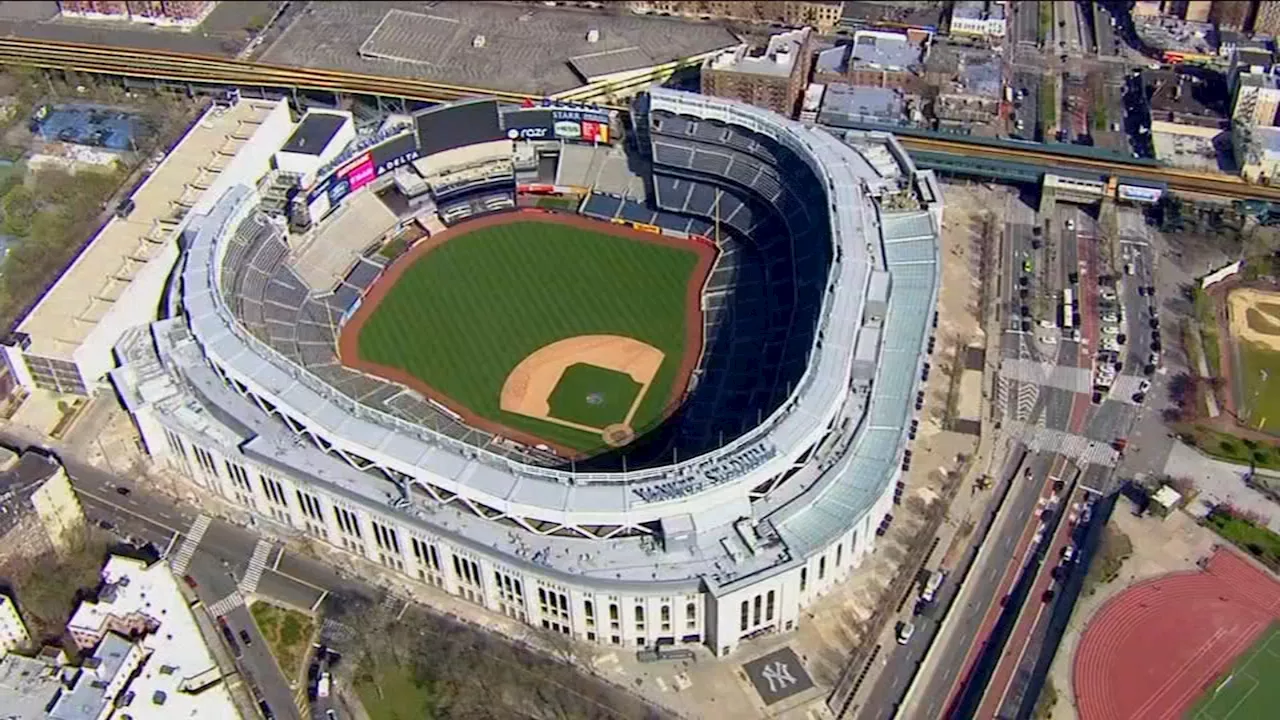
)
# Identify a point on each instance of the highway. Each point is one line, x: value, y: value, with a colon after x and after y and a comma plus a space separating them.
x: 212, y: 70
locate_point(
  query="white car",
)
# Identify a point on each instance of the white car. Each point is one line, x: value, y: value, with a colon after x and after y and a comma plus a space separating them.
x: 1071, y: 224
x: 1110, y: 318
x: 1049, y: 340
x: 1110, y: 330
x: 905, y: 632
x: 1144, y: 386
x: 1153, y: 359
x: 1068, y: 552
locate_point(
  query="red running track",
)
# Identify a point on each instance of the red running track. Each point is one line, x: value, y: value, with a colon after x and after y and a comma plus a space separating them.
x: 1153, y: 649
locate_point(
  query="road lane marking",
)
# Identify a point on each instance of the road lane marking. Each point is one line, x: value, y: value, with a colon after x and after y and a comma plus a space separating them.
x: 121, y: 508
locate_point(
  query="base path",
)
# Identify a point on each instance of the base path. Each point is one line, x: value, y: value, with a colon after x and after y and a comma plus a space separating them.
x: 528, y: 387
x: 1155, y: 648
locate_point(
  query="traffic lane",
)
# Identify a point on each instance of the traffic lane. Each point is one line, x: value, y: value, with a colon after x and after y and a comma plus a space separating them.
x: 984, y: 579
x: 258, y: 664
x: 1015, y: 556
x: 288, y: 590
x: 1030, y: 613
x: 904, y: 660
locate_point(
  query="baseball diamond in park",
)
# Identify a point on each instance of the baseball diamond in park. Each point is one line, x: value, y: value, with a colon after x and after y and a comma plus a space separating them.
x: 549, y: 329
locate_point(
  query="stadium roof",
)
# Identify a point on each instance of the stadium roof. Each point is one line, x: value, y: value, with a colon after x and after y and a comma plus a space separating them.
x: 499, y: 46
x: 314, y: 133
x: 88, y: 290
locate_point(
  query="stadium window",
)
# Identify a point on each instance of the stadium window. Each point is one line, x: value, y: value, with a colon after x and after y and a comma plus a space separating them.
x: 822, y: 567
x: 691, y: 613
x: 768, y: 608
x: 804, y: 578
x: 745, y: 616
x: 839, y: 553
x: 755, y: 611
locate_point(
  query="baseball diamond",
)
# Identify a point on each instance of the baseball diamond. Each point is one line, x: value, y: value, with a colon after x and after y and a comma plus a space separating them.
x: 458, y: 316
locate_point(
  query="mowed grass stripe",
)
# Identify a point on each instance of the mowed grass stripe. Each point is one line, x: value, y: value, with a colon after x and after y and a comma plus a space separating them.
x: 466, y: 313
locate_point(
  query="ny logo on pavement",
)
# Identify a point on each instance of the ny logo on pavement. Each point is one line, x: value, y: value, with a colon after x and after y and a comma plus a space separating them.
x: 778, y: 675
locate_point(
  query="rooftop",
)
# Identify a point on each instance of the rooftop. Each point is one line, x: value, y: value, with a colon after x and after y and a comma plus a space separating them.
x: 100, y: 674
x: 314, y: 132
x: 169, y: 684
x: 776, y: 59
x: 28, y: 687
x: 854, y: 103
x: 881, y: 12
x: 18, y: 483
x: 883, y: 50
x: 512, y: 47
x: 86, y: 292
x: 1188, y: 93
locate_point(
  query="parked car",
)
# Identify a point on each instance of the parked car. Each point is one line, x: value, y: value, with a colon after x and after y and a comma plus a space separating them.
x: 905, y: 631
x: 244, y: 637
x: 122, y: 490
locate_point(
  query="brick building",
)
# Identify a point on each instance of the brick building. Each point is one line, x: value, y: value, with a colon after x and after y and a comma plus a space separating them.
x: 774, y: 76
x: 38, y: 510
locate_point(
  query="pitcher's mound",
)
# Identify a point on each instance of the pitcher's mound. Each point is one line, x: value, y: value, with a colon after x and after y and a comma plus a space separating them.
x: 618, y: 434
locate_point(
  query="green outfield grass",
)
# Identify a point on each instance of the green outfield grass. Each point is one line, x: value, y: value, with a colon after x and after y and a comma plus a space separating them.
x: 1260, y: 386
x: 593, y: 396
x: 466, y: 313
x: 1250, y: 690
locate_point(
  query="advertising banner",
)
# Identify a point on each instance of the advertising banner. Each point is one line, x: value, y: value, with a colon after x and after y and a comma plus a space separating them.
x: 568, y: 130
x: 1139, y: 193
x: 528, y: 124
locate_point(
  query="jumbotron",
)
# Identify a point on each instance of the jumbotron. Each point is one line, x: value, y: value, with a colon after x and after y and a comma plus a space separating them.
x: 694, y: 458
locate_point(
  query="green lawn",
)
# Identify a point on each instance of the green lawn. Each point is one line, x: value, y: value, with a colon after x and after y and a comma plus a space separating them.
x: 1231, y: 448
x: 558, y: 203
x: 1259, y: 397
x: 465, y: 314
x: 1257, y: 540
x: 288, y: 632
x: 592, y: 396
x: 390, y: 692
x: 1250, y: 690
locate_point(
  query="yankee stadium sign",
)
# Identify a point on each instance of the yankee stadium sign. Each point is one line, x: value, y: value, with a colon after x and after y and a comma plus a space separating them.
x: 710, y: 474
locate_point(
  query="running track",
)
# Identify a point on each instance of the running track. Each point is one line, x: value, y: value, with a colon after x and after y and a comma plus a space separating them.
x: 1153, y: 649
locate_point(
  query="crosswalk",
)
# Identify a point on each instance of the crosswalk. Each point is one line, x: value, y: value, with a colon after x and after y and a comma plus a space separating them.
x: 182, y: 559
x: 227, y: 604
x: 1044, y: 373
x: 257, y: 565
x: 1078, y: 448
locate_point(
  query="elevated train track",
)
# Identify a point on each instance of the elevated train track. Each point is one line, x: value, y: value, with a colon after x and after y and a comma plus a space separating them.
x: 213, y: 70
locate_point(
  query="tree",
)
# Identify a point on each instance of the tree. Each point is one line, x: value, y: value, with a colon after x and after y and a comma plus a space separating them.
x: 18, y: 207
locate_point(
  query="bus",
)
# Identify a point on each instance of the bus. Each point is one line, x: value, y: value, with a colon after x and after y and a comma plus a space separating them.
x: 1068, y: 309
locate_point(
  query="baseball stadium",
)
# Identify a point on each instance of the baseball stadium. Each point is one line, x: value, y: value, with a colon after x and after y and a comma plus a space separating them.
x: 638, y: 377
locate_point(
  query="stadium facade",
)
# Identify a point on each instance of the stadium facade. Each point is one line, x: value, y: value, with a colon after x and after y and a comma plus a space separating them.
x: 767, y: 488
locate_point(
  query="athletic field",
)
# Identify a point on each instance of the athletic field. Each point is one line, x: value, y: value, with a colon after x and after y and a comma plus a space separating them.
x: 460, y: 316
x: 1250, y: 690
